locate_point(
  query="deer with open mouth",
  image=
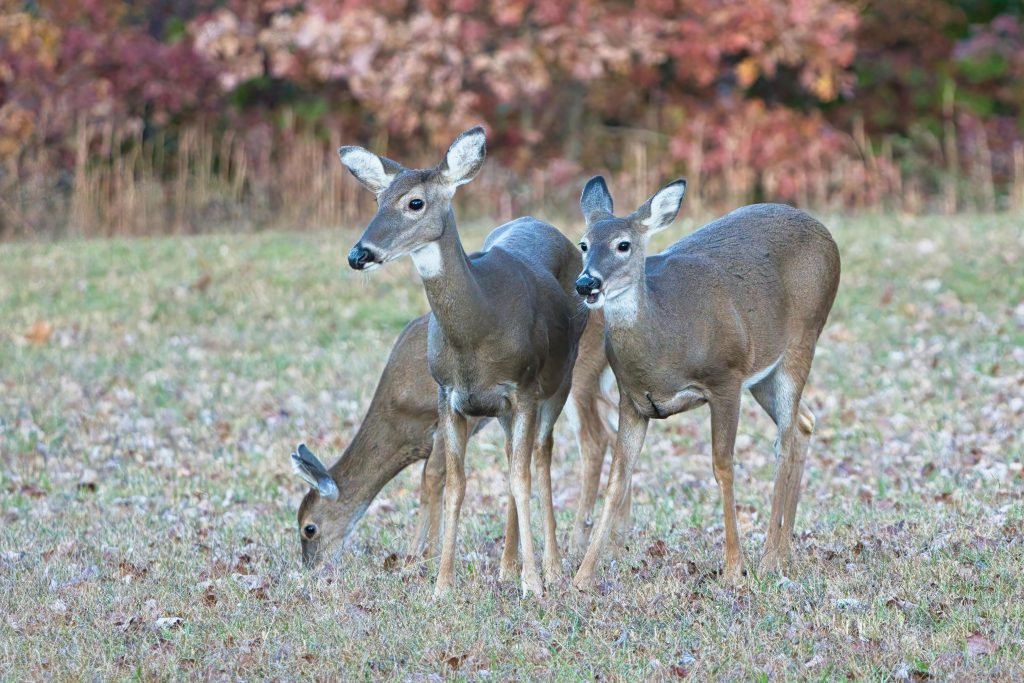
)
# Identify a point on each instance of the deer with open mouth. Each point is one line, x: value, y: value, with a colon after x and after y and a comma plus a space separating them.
x: 503, y: 335
x: 737, y: 304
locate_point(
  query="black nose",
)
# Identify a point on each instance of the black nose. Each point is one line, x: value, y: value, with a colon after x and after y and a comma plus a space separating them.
x: 359, y: 257
x: 587, y: 283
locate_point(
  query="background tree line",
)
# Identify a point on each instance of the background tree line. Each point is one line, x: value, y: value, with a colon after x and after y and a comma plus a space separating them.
x: 131, y: 117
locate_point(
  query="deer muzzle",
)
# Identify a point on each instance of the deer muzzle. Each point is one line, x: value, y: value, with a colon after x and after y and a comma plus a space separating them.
x: 588, y: 286
x: 360, y: 257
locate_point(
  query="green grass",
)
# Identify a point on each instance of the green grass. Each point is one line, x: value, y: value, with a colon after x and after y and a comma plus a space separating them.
x: 144, y: 475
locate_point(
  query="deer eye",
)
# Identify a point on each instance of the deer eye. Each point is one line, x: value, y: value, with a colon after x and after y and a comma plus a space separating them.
x: 623, y: 246
x: 583, y: 246
x: 416, y: 204
x: 309, y: 530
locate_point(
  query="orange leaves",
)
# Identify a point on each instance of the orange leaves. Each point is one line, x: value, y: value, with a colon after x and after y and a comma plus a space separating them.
x: 40, y: 332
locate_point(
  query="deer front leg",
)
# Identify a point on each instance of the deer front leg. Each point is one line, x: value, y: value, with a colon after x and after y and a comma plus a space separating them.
x: 432, y: 495
x: 524, y: 433
x: 628, y: 444
x: 724, y: 420
x: 453, y: 427
x: 552, y: 559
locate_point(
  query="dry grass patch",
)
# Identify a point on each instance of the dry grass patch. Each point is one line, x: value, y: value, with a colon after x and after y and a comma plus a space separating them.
x: 151, y: 390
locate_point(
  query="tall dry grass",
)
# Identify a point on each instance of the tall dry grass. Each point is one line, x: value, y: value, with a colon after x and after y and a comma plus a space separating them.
x: 203, y: 180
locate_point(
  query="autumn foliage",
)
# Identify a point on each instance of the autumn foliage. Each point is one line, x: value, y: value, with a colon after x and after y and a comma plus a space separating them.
x: 191, y: 114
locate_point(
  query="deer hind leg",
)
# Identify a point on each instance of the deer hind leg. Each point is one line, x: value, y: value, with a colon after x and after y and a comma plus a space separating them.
x: 623, y: 521
x: 593, y: 438
x: 549, y: 413
x: 725, y: 413
x: 427, y: 537
x: 508, y: 570
x: 524, y: 435
x: 779, y: 394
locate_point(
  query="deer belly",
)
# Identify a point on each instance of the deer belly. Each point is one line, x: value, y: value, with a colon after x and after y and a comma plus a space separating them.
x: 657, y: 406
x: 475, y: 402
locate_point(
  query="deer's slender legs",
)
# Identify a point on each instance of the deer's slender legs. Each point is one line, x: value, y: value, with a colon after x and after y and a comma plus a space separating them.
x: 779, y: 394
x: 628, y: 444
x: 725, y: 413
x: 593, y: 440
x: 623, y: 521
x: 524, y: 435
x: 453, y: 427
x: 427, y: 537
x: 549, y: 412
x: 509, y: 567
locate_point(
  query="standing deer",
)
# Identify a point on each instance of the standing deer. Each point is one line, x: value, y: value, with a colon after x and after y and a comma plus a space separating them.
x: 504, y: 330
x: 400, y: 428
x: 739, y: 303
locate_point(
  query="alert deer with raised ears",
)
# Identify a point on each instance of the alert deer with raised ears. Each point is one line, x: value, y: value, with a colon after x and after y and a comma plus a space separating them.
x: 737, y: 304
x: 400, y: 429
x: 504, y: 331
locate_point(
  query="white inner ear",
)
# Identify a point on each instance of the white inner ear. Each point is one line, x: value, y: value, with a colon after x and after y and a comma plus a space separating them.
x: 368, y: 168
x: 303, y: 473
x: 327, y: 489
x: 463, y: 157
x: 665, y: 206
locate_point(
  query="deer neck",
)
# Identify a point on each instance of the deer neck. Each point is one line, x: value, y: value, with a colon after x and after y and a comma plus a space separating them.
x: 456, y: 298
x: 377, y: 453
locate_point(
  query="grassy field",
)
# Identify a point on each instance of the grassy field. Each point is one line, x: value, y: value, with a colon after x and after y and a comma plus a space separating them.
x: 151, y: 391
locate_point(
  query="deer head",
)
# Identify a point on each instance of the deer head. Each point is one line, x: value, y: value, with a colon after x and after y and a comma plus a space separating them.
x: 412, y: 204
x: 614, y: 248
x: 323, y: 521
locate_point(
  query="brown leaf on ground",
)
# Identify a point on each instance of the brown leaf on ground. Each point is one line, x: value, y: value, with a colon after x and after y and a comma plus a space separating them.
x: 455, y: 661
x: 133, y: 570
x: 978, y: 644
x: 391, y: 562
x: 658, y: 549
x: 202, y: 283
x: 40, y: 332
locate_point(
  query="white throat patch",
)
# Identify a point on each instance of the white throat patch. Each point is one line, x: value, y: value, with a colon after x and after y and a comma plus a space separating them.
x: 621, y: 309
x: 427, y: 260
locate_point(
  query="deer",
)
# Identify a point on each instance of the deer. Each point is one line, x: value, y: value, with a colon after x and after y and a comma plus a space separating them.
x: 739, y: 303
x: 400, y: 429
x: 503, y: 332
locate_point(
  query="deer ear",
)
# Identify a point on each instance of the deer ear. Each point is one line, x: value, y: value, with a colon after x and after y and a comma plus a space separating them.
x: 465, y: 157
x: 374, y: 172
x: 658, y: 212
x: 596, y: 200
x: 313, y: 472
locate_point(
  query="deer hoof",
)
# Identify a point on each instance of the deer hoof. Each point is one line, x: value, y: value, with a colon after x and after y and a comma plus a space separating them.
x: 532, y: 585
x: 733, y: 573
x: 583, y: 582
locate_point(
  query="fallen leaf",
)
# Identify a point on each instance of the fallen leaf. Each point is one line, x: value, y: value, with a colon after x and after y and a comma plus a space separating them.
x: 391, y: 562
x: 40, y: 332
x: 202, y: 283
x: 455, y: 661
x: 658, y: 549
x: 978, y: 644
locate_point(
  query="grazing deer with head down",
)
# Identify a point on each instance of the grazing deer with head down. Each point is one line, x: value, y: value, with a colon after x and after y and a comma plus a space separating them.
x: 400, y: 428
x: 504, y: 329
x: 739, y: 303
